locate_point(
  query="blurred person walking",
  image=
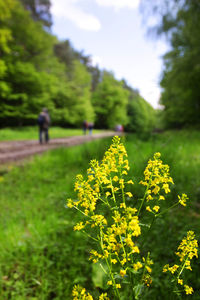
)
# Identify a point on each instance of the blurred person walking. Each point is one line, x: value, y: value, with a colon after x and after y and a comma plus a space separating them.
x: 90, y: 127
x: 44, y: 122
x: 85, y: 127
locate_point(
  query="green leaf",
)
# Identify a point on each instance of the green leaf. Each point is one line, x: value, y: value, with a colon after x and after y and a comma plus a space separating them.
x: 99, y: 275
x: 137, y: 290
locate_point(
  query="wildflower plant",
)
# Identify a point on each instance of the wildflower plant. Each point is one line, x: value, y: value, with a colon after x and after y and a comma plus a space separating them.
x: 113, y: 219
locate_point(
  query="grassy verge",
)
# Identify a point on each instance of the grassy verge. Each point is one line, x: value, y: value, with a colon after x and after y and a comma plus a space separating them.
x: 42, y: 257
x: 31, y: 133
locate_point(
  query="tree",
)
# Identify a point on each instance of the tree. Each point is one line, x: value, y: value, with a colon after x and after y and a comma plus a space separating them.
x: 29, y: 64
x: 110, y: 101
x: 181, y: 95
x: 141, y: 115
x: 39, y: 10
x: 79, y: 100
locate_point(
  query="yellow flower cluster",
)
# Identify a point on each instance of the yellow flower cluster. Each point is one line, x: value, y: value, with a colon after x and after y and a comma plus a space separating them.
x: 183, y: 199
x: 187, y: 249
x: 146, y: 278
x: 80, y: 293
x: 118, y: 236
x: 102, y: 199
x: 104, y: 180
x: 157, y: 180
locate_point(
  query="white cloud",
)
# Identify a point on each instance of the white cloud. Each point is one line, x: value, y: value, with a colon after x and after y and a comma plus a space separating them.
x: 118, y: 4
x: 69, y: 9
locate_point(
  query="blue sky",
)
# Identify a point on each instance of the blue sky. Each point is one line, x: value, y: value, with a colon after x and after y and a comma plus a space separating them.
x: 111, y: 31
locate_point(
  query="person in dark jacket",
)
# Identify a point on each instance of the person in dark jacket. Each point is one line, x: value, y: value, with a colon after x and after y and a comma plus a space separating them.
x: 85, y: 126
x: 44, y: 122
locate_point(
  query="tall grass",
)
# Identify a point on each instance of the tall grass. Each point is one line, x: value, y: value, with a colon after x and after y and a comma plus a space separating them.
x: 42, y: 257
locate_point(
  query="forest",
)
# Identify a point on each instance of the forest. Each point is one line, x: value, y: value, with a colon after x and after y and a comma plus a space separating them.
x: 37, y: 70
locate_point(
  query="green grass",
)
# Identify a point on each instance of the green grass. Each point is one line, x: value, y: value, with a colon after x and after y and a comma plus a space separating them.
x: 180, y: 150
x: 42, y: 257
x: 31, y: 133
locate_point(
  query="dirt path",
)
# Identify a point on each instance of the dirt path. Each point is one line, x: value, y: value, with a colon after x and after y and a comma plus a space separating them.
x: 18, y: 150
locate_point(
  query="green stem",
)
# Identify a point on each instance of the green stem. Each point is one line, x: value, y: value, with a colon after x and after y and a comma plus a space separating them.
x: 96, y: 240
x: 108, y: 265
x: 166, y: 210
x: 80, y: 211
x: 112, y: 189
x: 183, y: 267
x: 144, y: 196
x: 146, y: 234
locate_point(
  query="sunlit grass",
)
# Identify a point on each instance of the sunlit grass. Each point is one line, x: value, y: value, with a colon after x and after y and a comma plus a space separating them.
x: 31, y: 133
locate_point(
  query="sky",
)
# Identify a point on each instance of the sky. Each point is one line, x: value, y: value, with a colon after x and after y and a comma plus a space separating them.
x: 112, y: 32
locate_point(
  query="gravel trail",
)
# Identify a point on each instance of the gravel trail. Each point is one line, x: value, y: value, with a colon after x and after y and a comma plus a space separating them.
x: 18, y: 150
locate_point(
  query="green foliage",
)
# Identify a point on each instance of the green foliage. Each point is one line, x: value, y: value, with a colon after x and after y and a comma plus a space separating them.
x: 179, y: 21
x: 39, y: 10
x: 141, y: 115
x: 79, y: 104
x: 110, y: 101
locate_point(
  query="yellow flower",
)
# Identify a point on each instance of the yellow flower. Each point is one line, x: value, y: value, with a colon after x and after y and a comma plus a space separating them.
x: 129, y: 194
x: 130, y: 182
x: 79, y: 226
x: 137, y: 266
x: 173, y: 269
x: 109, y: 282
x: 148, y: 269
x: 122, y: 273
x: 166, y: 188
x: 118, y: 286
x: 79, y: 293
x: 123, y: 261
x: 180, y: 281
x: 147, y: 280
x: 165, y: 268
x: 149, y: 197
x: 115, y: 178
x: 157, y: 155
x: 124, y: 172
x: 122, y: 205
x: 156, y: 208
x: 188, y: 289
x: 114, y: 261
x: 103, y: 296
x: 183, y: 199
x: 188, y: 247
x: 148, y: 209
x: 70, y: 203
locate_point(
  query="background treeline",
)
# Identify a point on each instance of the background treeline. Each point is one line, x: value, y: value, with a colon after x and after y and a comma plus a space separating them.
x: 37, y: 70
x: 179, y: 21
